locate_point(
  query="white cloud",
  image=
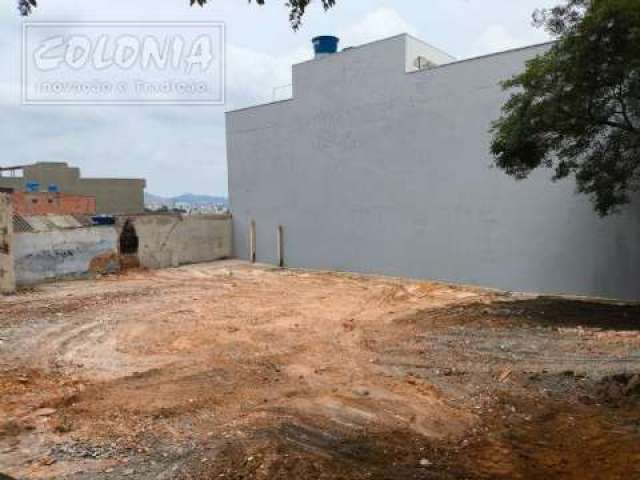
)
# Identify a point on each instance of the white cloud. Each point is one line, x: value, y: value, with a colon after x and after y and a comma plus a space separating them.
x: 252, y: 75
x: 381, y: 23
x: 495, y: 38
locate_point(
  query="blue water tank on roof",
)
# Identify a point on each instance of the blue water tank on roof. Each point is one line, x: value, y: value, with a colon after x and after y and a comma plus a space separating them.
x: 325, y: 45
x: 33, y: 187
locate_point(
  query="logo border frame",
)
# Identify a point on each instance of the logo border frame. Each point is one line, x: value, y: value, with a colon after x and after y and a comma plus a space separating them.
x: 222, y: 63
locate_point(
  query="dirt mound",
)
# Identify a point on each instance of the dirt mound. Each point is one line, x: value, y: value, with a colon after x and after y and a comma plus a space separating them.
x: 298, y: 450
x: 620, y: 389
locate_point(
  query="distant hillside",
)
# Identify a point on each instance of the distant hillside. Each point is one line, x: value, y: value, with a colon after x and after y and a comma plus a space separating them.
x: 188, y: 198
x: 200, y: 199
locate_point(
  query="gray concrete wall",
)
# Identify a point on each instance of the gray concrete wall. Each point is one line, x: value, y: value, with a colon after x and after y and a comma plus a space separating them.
x: 164, y: 241
x: 57, y: 254
x: 173, y: 240
x: 7, y: 274
x: 113, y: 195
x: 372, y: 169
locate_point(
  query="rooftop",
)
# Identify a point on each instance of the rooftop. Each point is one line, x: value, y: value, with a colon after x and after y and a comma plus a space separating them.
x: 414, y: 48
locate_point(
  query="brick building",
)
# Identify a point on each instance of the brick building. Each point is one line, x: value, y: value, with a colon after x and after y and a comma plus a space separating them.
x: 112, y: 195
x: 43, y: 203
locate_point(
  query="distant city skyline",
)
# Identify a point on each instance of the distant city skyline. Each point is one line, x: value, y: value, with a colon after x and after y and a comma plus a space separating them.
x: 182, y: 148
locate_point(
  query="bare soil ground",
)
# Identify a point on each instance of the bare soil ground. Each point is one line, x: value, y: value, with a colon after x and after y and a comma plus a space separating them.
x: 232, y: 371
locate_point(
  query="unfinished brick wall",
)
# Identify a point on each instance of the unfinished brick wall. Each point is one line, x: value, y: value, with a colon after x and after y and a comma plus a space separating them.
x: 7, y: 273
x: 43, y: 203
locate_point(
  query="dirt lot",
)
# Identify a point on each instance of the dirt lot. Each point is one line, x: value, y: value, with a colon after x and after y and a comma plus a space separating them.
x: 231, y: 371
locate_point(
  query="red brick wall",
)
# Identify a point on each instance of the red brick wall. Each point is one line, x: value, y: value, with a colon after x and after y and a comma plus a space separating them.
x: 43, y: 203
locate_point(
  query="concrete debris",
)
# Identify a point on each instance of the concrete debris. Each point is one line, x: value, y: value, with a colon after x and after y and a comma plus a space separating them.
x: 44, y: 412
x: 361, y: 391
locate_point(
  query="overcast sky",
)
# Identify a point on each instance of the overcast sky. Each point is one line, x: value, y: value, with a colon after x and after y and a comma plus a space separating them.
x: 182, y: 148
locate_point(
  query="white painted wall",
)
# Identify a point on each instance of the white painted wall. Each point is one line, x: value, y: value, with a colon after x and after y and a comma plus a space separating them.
x: 416, y: 47
x: 372, y: 169
x: 74, y: 252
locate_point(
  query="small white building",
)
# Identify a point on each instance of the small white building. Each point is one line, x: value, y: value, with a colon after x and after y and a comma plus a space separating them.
x: 380, y: 163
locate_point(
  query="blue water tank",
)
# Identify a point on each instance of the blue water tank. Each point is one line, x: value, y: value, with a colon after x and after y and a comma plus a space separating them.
x: 53, y: 188
x: 33, y: 187
x: 325, y: 45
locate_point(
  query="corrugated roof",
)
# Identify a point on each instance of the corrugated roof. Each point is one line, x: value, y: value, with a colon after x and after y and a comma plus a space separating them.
x: 63, y: 221
x: 84, y: 220
x: 38, y: 223
x: 20, y: 225
x: 47, y: 223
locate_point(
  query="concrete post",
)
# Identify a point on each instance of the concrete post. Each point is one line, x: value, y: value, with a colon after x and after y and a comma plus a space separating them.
x: 252, y: 241
x: 280, y: 246
x: 7, y: 272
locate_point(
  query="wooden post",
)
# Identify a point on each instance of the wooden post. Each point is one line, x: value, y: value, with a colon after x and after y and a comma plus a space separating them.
x: 280, y: 243
x: 252, y: 241
x: 7, y: 272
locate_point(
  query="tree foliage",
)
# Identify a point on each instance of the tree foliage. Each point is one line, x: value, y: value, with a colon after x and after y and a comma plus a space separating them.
x: 25, y: 7
x: 576, y: 108
x: 297, y: 8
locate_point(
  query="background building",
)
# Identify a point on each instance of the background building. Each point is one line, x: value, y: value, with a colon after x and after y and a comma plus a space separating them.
x: 112, y: 195
x: 380, y: 163
x: 45, y: 203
